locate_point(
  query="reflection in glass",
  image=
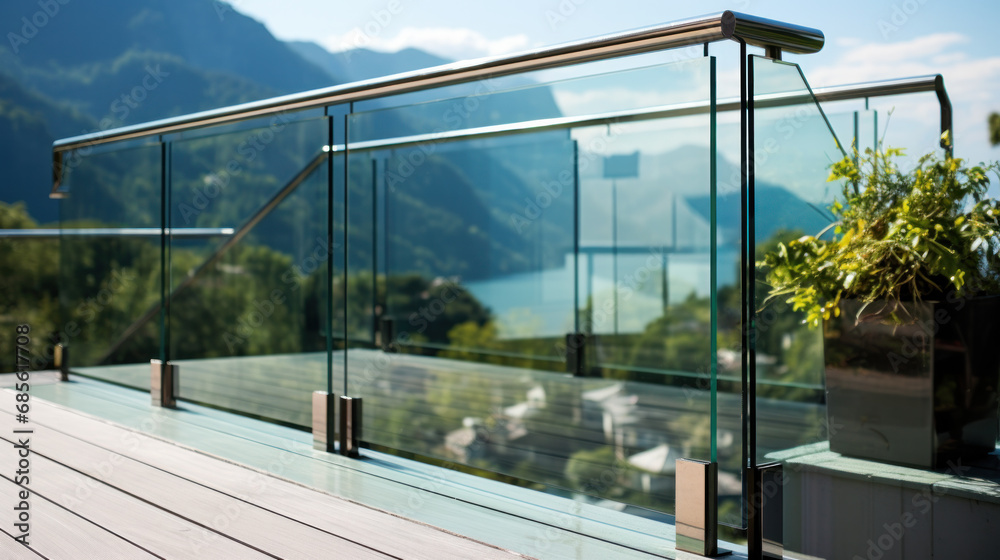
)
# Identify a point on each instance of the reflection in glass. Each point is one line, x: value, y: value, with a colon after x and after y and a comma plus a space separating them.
x: 108, y: 281
x: 483, y: 253
x: 247, y: 312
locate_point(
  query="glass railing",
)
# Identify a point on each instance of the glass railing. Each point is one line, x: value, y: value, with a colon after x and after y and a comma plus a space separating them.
x: 110, y: 280
x: 541, y: 281
x: 244, y: 306
x: 495, y: 239
x: 794, y: 148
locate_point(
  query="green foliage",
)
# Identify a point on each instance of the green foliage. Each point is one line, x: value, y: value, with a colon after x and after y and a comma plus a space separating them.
x: 28, y: 287
x: 585, y: 468
x: 995, y: 129
x: 900, y: 236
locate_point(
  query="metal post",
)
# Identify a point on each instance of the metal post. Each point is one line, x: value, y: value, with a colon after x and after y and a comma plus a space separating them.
x: 770, y: 482
x: 350, y: 426
x: 164, y: 383
x: 576, y: 354
x: 61, y: 359
x: 697, y: 506
x: 388, y: 334
x: 324, y: 425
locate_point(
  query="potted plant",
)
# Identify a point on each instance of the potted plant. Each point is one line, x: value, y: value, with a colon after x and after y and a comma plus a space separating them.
x: 905, y: 285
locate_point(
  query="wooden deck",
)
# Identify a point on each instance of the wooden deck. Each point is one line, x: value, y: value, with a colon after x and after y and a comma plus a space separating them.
x: 101, y: 491
x: 112, y: 477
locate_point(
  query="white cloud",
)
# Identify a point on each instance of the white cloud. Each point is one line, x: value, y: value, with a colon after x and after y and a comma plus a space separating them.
x: 973, y: 84
x: 847, y: 42
x: 456, y: 43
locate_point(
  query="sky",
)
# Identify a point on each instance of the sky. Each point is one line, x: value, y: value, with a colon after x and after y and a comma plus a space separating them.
x: 865, y: 40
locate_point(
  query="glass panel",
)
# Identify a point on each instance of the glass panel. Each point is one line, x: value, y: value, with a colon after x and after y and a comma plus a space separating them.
x: 110, y: 265
x: 729, y: 342
x: 487, y: 252
x: 29, y: 292
x: 794, y: 147
x: 247, y: 306
x: 855, y: 128
x: 487, y: 103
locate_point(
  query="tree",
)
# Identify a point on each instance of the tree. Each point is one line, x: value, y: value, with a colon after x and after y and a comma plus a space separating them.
x: 995, y: 129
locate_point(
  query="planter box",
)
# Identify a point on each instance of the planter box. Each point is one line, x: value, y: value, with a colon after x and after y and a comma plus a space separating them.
x: 919, y: 392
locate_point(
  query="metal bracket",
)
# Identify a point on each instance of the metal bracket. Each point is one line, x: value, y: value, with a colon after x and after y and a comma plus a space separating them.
x: 388, y: 332
x: 164, y: 383
x: 324, y: 427
x: 770, y: 483
x: 350, y: 426
x: 772, y: 52
x: 61, y: 359
x: 697, y: 507
x: 576, y: 354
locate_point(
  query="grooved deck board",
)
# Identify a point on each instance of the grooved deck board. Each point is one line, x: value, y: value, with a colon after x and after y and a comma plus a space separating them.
x: 158, y: 531
x: 275, y: 535
x: 58, y: 533
x: 393, y: 535
x: 15, y: 550
x: 530, y: 523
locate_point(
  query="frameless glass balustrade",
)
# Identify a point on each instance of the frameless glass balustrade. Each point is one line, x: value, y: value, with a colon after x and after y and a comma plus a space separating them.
x: 540, y: 281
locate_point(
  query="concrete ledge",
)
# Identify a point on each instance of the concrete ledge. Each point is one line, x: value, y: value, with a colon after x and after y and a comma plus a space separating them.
x: 841, y: 507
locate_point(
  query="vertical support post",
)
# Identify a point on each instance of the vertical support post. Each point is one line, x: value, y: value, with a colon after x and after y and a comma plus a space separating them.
x: 388, y: 333
x: 576, y: 354
x: 163, y: 384
x: 697, y: 506
x: 769, y: 488
x: 350, y: 426
x: 324, y: 426
x: 61, y: 359
x: 947, y: 134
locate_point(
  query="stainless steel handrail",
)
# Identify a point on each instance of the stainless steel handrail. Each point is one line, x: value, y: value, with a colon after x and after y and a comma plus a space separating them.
x: 56, y: 233
x: 918, y: 84
x: 727, y: 25
x: 899, y: 86
x: 234, y: 237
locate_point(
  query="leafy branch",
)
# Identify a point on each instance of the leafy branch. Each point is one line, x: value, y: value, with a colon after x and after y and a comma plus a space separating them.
x: 898, y: 236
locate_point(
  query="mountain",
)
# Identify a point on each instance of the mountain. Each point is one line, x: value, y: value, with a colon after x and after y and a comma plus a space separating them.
x: 364, y: 64
x: 134, y: 87
x: 28, y: 124
x: 91, y: 68
x: 205, y: 34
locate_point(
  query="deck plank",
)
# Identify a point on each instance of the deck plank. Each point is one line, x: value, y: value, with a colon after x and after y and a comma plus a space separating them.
x: 511, y: 517
x: 13, y: 550
x: 276, y: 535
x: 378, y: 529
x: 158, y: 531
x: 57, y: 533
